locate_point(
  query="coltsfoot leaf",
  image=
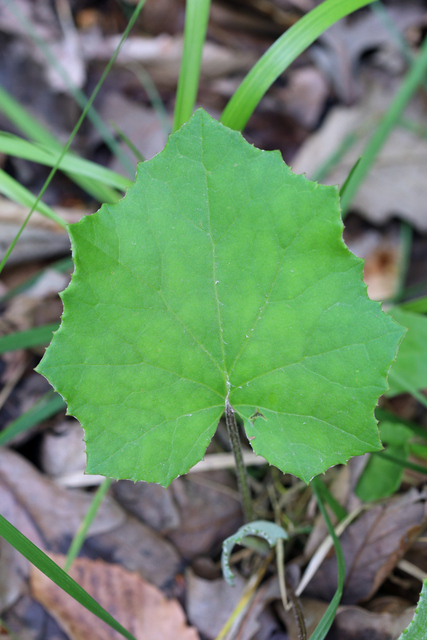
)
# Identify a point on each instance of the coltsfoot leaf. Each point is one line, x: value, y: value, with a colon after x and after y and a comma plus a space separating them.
x: 220, y: 274
x: 417, y: 629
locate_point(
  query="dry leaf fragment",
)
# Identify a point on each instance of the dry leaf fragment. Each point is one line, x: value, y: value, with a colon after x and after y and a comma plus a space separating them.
x: 372, y: 547
x: 137, y: 605
x: 354, y: 623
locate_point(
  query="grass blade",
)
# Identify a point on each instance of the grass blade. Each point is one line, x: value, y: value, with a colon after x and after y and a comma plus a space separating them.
x: 327, y: 497
x: 40, y: 560
x: 408, y: 388
x: 280, y: 55
x: 401, y: 462
x: 50, y: 404
x: 81, y: 534
x: 30, y: 126
x: 25, y: 339
x: 35, y: 152
x: 76, y: 93
x: 419, y: 305
x: 326, y: 622
x: 16, y: 192
x: 196, y: 22
x: 135, y: 14
x: 413, y: 79
x: 332, y: 160
x: 153, y: 95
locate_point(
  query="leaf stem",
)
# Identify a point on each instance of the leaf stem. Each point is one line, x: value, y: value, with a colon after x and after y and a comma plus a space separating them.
x: 242, y: 478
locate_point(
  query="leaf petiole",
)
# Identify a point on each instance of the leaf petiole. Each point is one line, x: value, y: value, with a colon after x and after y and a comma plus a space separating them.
x: 242, y: 477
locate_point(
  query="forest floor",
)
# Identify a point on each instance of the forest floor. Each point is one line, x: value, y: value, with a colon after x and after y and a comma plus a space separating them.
x: 152, y: 555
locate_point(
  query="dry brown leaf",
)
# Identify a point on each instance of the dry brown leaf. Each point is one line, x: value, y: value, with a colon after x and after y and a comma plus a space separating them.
x: 355, y: 623
x: 63, y: 449
x: 196, y: 513
x: 138, y: 548
x: 313, y: 612
x: 211, y: 602
x: 372, y: 547
x: 137, y: 605
x: 396, y: 184
x: 55, y: 514
x: 41, y: 238
x: 343, y: 44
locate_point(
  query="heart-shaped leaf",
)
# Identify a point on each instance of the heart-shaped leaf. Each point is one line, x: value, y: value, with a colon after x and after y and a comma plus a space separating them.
x: 220, y: 276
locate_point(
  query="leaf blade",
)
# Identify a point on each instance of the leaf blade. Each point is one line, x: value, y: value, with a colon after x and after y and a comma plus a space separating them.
x: 223, y: 277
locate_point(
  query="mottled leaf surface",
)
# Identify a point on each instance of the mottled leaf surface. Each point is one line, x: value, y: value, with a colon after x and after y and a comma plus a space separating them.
x: 220, y: 275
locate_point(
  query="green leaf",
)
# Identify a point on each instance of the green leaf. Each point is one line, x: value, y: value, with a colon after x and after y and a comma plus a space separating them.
x: 417, y: 629
x: 409, y: 371
x: 268, y: 531
x: 220, y: 277
x: 382, y: 477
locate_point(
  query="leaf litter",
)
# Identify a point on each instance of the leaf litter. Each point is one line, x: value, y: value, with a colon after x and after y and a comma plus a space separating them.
x: 147, y: 522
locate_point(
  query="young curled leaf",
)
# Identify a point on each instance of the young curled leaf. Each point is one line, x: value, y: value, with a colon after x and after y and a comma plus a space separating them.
x: 268, y: 531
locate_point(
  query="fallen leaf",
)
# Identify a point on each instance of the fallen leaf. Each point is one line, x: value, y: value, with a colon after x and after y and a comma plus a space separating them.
x: 137, y: 548
x: 395, y: 185
x: 41, y: 238
x: 340, y: 48
x: 210, y: 511
x: 55, y: 512
x: 137, y: 605
x: 313, y: 612
x: 50, y: 515
x: 211, y: 602
x: 196, y: 514
x: 151, y: 503
x: 355, y: 623
x: 141, y: 125
x: 372, y: 547
x: 28, y: 620
x: 62, y: 449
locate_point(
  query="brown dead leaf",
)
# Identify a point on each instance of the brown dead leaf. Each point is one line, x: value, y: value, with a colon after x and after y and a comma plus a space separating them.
x: 382, y: 253
x: 211, y: 602
x: 138, y: 548
x: 196, y: 513
x: 28, y: 620
x: 355, y: 623
x: 396, y: 184
x: 150, y: 502
x: 41, y: 238
x: 63, y: 450
x: 210, y: 511
x: 372, y: 547
x: 141, y: 125
x: 313, y: 612
x: 137, y: 605
x: 53, y: 514
x: 341, y: 46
